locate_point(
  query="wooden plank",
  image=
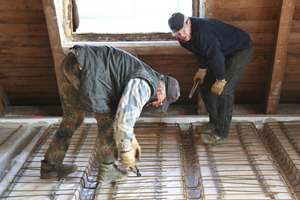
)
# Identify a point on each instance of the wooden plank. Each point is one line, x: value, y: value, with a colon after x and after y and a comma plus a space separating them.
x: 169, y: 60
x: 255, y: 27
x: 291, y: 78
x: 263, y: 38
x: 25, y: 41
x: 25, y: 52
x: 263, y: 49
x: 290, y: 98
x: 258, y: 60
x: 22, y: 17
x: 28, y: 81
x: 13, y: 89
x: 292, y: 88
x: 297, y: 13
x: 294, y: 38
x: 237, y: 4
x: 293, y: 59
x: 249, y: 97
x: 3, y: 100
x: 172, y: 49
x: 259, y: 78
x: 28, y: 71
x: 275, y: 84
x: 23, y: 29
x: 26, y: 62
x: 33, y: 94
x: 35, y: 100
x: 296, y: 26
x: 293, y: 48
x: 54, y: 110
x: 256, y: 69
x: 243, y: 14
x: 21, y: 5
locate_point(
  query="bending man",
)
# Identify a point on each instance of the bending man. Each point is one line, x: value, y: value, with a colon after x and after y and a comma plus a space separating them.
x: 223, y: 53
x: 115, y: 86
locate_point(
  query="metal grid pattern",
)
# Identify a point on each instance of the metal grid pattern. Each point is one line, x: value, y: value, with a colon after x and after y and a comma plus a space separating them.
x: 161, y: 168
x: 283, y: 141
x: 28, y: 185
x: 241, y: 168
x: 175, y: 165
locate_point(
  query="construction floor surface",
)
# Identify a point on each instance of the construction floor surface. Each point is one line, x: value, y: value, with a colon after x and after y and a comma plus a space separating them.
x: 255, y: 163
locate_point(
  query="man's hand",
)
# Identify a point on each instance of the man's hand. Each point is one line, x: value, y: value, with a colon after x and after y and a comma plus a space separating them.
x: 218, y: 87
x: 129, y: 155
x: 200, y: 74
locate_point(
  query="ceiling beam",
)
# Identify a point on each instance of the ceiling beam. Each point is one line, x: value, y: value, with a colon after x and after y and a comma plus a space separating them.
x: 280, y: 53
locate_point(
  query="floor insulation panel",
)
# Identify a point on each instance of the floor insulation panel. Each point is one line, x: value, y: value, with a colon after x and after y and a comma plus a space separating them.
x: 175, y: 164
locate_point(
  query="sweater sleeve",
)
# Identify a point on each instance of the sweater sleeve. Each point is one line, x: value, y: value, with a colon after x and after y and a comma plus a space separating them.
x: 211, y: 47
x: 202, y: 61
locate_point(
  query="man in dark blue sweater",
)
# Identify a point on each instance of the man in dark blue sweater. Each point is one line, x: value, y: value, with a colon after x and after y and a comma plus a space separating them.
x: 223, y: 53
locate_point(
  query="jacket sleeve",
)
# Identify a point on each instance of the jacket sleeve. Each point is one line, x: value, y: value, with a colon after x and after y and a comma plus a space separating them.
x: 135, y: 95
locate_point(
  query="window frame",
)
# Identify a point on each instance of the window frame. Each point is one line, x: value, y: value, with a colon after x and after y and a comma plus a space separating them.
x: 71, y: 36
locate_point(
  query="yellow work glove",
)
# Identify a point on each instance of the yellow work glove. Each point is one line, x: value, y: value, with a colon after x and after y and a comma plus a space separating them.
x: 200, y: 74
x: 130, y: 151
x: 218, y: 87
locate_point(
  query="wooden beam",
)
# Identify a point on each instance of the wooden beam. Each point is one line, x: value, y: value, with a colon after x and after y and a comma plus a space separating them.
x: 54, y: 37
x: 280, y: 53
x: 3, y: 101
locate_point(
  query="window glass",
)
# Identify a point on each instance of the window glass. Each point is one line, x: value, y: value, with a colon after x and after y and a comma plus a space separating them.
x: 129, y: 16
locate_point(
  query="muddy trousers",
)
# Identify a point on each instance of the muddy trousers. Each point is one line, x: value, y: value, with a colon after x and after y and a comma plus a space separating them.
x: 73, y: 117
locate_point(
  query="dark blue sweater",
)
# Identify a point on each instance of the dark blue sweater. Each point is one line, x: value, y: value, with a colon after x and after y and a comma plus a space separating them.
x: 212, y: 40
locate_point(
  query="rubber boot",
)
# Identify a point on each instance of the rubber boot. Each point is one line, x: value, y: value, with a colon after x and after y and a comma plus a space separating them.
x: 110, y: 173
x: 49, y: 171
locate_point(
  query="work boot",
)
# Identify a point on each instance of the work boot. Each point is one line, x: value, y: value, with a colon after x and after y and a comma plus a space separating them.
x: 49, y: 171
x: 207, y: 128
x: 212, y: 139
x: 110, y: 173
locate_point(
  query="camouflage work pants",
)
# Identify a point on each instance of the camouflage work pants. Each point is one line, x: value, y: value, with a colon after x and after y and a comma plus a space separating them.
x: 73, y: 117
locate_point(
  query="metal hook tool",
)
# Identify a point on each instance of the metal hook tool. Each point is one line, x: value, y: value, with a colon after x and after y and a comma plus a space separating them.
x: 193, y: 89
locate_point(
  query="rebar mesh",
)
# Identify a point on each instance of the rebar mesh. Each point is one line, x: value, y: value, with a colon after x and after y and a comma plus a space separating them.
x: 241, y: 168
x: 283, y: 141
x: 175, y: 165
x: 161, y: 168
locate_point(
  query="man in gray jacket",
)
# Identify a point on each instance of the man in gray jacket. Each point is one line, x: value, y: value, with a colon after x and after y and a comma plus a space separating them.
x: 115, y: 86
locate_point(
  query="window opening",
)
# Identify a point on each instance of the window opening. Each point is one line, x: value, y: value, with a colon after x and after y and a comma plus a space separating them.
x: 128, y: 16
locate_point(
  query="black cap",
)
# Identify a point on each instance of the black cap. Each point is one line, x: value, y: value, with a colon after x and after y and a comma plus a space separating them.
x: 177, y: 22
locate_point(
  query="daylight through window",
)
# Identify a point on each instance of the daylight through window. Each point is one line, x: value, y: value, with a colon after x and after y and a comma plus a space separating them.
x: 129, y: 16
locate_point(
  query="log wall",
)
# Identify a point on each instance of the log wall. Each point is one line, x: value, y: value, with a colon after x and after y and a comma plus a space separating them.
x: 27, y: 73
x: 26, y: 64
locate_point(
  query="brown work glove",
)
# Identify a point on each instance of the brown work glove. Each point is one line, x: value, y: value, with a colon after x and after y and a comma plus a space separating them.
x: 200, y: 74
x: 218, y: 87
x: 130, y: 151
